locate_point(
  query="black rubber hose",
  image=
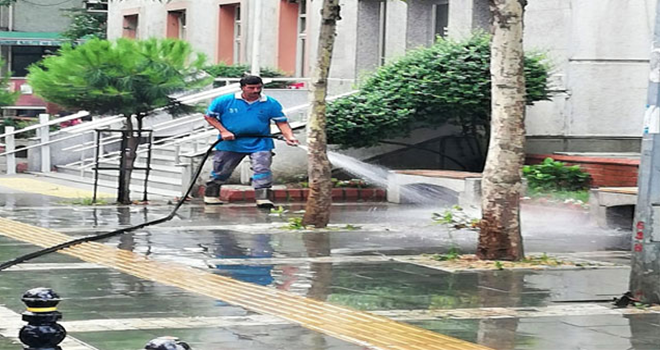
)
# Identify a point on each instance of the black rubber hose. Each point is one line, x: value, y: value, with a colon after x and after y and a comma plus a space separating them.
x: 102, y: 236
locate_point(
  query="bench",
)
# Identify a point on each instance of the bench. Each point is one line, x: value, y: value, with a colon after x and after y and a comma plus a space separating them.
x: 613, y: 207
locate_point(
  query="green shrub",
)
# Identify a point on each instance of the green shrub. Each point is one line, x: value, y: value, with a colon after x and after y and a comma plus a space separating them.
x: 552, y: 175
x: 238, y: 70
x: 448, y: 82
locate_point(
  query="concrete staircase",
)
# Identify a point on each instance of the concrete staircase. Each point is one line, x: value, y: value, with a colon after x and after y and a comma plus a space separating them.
x: 165, y: 177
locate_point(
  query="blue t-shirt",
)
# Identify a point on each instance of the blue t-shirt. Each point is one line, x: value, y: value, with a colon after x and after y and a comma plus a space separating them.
x: 243, y: 118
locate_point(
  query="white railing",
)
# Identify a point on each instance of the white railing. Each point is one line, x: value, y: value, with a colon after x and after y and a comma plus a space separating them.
x: 189, y: 99
x: 43, y: 130
x: 44, y: 135
x: 194, y: 138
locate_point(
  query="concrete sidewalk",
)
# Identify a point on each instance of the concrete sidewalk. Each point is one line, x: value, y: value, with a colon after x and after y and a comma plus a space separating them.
x: 235, y: 277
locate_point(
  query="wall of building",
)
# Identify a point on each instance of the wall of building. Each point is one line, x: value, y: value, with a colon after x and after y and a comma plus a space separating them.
x: 29, y: 17
x: 202, y: 25
x: 598, y: 49
x: 419, y: 32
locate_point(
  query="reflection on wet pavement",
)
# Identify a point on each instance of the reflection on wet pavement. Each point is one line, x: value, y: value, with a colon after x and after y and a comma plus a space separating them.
x: 204, y: 237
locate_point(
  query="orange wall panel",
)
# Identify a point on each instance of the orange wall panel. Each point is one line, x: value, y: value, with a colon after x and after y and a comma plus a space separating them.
x: 172, y: 29
x: 226, y: 34
x: 287, y: 36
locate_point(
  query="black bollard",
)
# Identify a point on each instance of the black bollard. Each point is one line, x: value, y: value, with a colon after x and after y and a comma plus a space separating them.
x: 166, y: 343
x: 42, y: 331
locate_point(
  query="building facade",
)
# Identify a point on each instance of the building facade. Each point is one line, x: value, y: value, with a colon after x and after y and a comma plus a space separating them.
x: 370, y: 32
x: 599, y: 50
x: 29, y: 30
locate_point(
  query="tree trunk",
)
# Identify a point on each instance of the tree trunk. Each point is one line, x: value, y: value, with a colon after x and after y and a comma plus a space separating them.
x: 500, y: 237
x: 128, y: 156
x: 317, y: 211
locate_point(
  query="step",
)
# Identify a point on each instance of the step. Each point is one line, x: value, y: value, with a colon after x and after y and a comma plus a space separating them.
x: 171, y: 151
x: 161, y: 182
x: 156, y: 169
x: 158, y: 159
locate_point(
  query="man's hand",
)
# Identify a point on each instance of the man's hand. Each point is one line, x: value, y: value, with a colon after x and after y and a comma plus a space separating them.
x: 292, y: 141
x: 227, y: 135
x: 224, y: 133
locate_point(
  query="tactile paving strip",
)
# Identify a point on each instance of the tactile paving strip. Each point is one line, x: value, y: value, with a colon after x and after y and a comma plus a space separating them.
x: 340, y: 322
x: 49, y: 189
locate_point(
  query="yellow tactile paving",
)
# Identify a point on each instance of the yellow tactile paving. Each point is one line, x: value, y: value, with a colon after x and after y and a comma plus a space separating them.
x: 337, y: 321
x: 48, y: 189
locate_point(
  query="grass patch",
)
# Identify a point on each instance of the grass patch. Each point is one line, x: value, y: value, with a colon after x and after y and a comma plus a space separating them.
x: 543, y: 259
x: 454, y: 261
x: 295, y: 224
x: 452, y: 254
x: 85, y: 201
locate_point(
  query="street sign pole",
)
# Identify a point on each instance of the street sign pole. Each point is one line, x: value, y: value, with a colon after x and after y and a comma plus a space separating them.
x: 645, y: 273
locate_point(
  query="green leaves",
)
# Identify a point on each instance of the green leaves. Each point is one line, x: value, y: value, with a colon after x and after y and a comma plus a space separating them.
x: 121, y: 77
x: 86, y: 25
x: 552, y: 175
x: 6, y: 97
x: 448, y: 82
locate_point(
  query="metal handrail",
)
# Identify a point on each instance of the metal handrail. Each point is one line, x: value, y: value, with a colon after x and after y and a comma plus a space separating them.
x: 176, y: 140
x: 159, y: 127
x: 169, y: 141
x: 52, y: 122
x: 85, y: 128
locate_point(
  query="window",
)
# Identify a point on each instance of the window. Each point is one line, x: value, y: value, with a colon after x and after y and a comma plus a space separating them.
x: 382, y: 30
x: 96, y: 6
x: 23, y: 56
x: 237, y: 34
x: 301, y: 42
x: 130, y: 26
x: 229, y: 34
x: 176, y: 24
x: 440, y: 14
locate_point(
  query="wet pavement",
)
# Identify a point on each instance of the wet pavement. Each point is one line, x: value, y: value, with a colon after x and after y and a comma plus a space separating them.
x: 351, y: 265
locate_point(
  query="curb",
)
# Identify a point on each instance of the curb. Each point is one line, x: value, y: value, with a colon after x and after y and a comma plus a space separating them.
x: 237, y: 195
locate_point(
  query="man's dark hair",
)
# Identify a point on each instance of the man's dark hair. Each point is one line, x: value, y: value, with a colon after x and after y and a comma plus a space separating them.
x: 251, y: 80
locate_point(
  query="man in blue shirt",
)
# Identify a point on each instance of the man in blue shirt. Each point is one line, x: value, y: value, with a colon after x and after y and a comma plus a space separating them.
x: 245, y: 113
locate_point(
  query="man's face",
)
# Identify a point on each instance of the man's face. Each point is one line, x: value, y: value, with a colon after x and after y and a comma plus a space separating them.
x: 251, y: 92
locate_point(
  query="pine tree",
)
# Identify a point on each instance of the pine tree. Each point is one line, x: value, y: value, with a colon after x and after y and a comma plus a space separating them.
x: 7, y: 97
x: 127, y: 77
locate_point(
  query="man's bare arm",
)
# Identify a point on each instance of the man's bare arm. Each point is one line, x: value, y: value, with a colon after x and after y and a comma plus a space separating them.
x: 224, y: 133
x: 285, y: 128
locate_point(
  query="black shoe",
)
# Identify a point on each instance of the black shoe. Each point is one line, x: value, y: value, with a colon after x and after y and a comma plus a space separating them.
x: 265, y: 204
x: 213, y: 200
x: 262, y: 197
x: 212, y: 189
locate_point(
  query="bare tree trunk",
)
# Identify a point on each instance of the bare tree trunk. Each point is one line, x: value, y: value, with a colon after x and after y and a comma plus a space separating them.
x: 128, y: 155
x: 500, y: 237
x: 317, y: 211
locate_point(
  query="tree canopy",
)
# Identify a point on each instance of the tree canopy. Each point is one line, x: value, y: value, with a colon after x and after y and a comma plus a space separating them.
x: 6, y: 97
x: 121, y: 77
x: 448, y: 82
x: 86, y: 25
